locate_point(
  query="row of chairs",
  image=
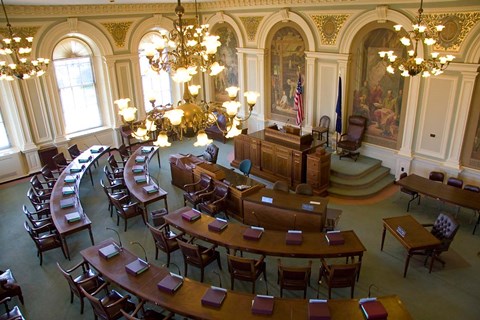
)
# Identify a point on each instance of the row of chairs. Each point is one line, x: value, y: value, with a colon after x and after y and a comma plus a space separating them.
x: 301, y: 188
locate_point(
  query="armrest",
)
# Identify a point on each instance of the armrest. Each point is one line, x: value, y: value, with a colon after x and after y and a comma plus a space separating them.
x: 427, y: 224
x: 202, y: 195
x: 49, y: 225
x: 259, y: 261
x: 221, y: 199
x: 212, y: 248
x: 5, y: 300
x: 188, y: 185
x: 95, y: 276
x: 82, y: 264
x: 129, y: 205
x: 103, y: 286
x: 119, y: 301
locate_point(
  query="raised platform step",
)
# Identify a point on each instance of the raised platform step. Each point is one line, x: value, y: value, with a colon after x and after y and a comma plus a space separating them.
x: 362, y: 193
x: 363, y: 181
x: 349, y: 169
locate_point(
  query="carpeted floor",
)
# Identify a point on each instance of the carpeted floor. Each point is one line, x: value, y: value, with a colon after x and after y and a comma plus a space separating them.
x: 447, y: 293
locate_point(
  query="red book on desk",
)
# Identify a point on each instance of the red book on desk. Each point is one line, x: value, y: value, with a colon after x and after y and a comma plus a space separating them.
x: 191, y: 215
x: 262, y: 304
x: 217, y: 225
x: 170, y: 283
x: 253, y: 233
x: 136, y: 267
x: 318, y: 310
x: 334, y: 238
x: 294, y: 237
x: 214, y: 297
x: 373, y: 309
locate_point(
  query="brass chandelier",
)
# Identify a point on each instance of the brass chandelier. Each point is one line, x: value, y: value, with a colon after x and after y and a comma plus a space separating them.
x: 182, y: 52
x: 19, y: 49
x: 415, y: 64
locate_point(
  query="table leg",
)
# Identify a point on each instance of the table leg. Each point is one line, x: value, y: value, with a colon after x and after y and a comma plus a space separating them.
x: 432, y: 258
x: 90, y: 174
x: 327, y: 138
x: 158, y: 159
x: 383, y: 237
x: 166, y: 204
x: 360, y: 267
x: 91, y: 235
x: 406, y: 265
x: 65, y: 246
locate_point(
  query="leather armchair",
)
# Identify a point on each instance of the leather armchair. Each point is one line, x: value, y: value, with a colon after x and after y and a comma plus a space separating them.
x: 246, y: 269
x: 339, y: 276
x: 210, y: 154
x: 294, y: 278
x: 127, y: 209
x: 198, y: 256
x: 215, y: 201
x: 109, y: 306
x: 165, y: 240
x: 351, y: 141
x: 9, y: 286
x: 195, y: 190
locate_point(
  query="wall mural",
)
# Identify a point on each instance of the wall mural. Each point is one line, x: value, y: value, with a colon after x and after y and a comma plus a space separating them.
x: 287, y: 54
x: 476, y: 145
x: 227, y: 56
x: 378, y: 95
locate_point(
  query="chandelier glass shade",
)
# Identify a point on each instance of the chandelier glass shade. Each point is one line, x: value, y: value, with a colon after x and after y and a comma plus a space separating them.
x: 415, y: 64
x: 18, y: 49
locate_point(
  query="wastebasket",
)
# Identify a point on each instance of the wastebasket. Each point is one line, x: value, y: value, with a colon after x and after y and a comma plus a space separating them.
x: 157, y: 217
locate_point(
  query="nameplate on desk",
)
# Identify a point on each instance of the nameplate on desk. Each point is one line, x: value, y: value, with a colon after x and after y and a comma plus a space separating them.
x: 267, y: 199
x: 294, y: 237
x: 191, y: 215
x: 318, y: 310
x: 315, y: 202
x: 96, y: 149
x: 401, y: 232
x: 109, y: 251
x: 84, y: 160
x: 373, y: 309
x: 70, y: 178
x: 68, y: 190
x: 242, y: 187
x: 140, y: 159
x: 67, y: 203
x: 171, y: 283
x: 214, y: 297
x: 150, y: 189
x: 217, y: 225
x: 137, y: 266
x: 140, y: 179
x: 253, y: 233
x: 73, y: 217
x: 137, y: 169
x: 334, y: 238
x: 307, y: 206
x: 262, y: 304
x: 147, y: 149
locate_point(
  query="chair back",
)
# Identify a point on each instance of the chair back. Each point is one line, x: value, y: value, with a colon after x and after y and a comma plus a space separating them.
x: 356, y: 128
x: 205, y: 181
x: 112, y: 162
x: 59, y: 160
x: 71, y: 283
x: 123, y: 151
x: 470, y: 187
x: 159, y: 236
x: 455, y: 182
x: 304, y: 188
x: 343, y: 275
x: 38, y: 185
x: 245, y: 166
x: 445, y: 228
x: 191, y: 252
x: 74, y: 151
x: 281, y: 185
x: 436, y: 176
x: 220, y: 190
x: 241, y: 267
x: 98, y: 308
x: 324, y: 122
x: 294, y: 274
x: 47, y: 173
x: 211, y: 153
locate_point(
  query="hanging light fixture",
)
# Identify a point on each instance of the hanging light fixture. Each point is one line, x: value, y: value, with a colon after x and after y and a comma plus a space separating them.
x: 183, y: 52
x: 415, y: 64
x: 19, y: 49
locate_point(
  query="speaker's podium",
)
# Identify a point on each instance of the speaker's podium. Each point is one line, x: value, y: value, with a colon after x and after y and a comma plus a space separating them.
x: 318, y: 171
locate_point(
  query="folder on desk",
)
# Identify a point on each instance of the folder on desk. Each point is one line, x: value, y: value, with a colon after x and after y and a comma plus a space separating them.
x: 72, y: 217
x: 96, y: 149
x: 140, y: 159
x: 214, y: 297
x: 262, y: 304
x: 67, y: 203
x: 318, y: 310
x: 294, y: 237
x: 147, y: 149
x: 191, y: 215
x: 217, y: 225
x: 171, y: 283
x: 334, y: 238
x: 137, y: 266
x: 137, y: 169
x: 108, y: 251
x: 68, y: 190
x: 253, y: 233
x: 150, y: 189
x: 373, y: 309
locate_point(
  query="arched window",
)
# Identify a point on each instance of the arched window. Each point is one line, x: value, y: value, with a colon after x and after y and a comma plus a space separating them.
x: 155, y: 85
x: 72, y: 60
x: 4, y: 141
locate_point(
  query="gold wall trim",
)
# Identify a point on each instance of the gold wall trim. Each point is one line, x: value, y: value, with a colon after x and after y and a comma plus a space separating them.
x: 329, y: 26
x: 118, y: 30
x: 20, y: 31
x: 251, y: 26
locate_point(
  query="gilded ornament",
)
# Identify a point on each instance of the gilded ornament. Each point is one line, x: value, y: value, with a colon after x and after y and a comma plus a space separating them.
x: 251, y: 26
x: 118, y: 30
x: 328, y: 26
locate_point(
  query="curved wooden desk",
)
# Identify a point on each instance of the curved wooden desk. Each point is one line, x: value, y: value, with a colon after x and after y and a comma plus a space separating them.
x: 187, y: 300
x: 271, y: 243
x: 136, y: 189
x: 58, y: 213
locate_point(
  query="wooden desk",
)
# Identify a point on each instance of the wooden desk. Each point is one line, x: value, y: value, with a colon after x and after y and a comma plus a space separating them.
x: 187, y: 300
x: 136, y: 189
x: 285, y: 212
x: 444, y: 192
x: 63, y: 227
x: 416, y: 237
x: 271, y: 243
x: 234, y: 179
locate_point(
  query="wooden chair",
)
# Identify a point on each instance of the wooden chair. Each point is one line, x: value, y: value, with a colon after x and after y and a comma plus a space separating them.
x: 10, y: 314
x: 49, y: 175
x: 338, y: 276
x: 115, y: 168
x: 245, y: 166
x: 246, y: 269
x: 351, y: 141
x: 455, y: 182
x: 73, y: 151
x: 124, y: 153
x: 165, y: 240
x: 304, y: 188
x: 281, y: 186
x: 198, y: 256
x: 60, y: 161
x: 109, y: 306
x: 195, y: 190
x: 127, y: 209
x: 475, y: 189
x: 411, y: 193
x: 87, y: 279
x: 215, y: 201
x: 39, y: 203
x: 40, y: 220
x: 147, y: 314
x: 323, y: 127
x: 294, y: 278
x: 112, y: 178
x: 44, y: 242
x: 116, y: 191
x: 9, y: 286
x: 41, y: 188
x: 436, y: 176
x: 210, y: 154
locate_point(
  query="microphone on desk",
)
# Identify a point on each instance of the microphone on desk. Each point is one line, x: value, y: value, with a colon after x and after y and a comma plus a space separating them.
x: 173, y: 264
x: 118, y: 235
x: 219, y: 278
x: 144, y: 252
x: 294, y: 221
x: 256, y: 218
x: 370, y: 287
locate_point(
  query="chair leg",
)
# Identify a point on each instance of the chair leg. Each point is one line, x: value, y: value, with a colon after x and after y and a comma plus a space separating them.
x: 232, y: 282
x: 156, y: 254
x: 71, y: 296
x: 219, y: 263
x: 476, y: 224
x: 20, y: 297
x: 41, y: 257
x: 351, y: 293
x: 125, y: 229
x: 185, y: 268
x: 81, y: 305
x: 202, y: 271
x: 168, y: 258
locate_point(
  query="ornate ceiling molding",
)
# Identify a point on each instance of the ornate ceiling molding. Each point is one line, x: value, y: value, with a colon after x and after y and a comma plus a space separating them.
x: 251, y: 26
x: 118, y: 30
x: 329, y: 26
x: 21, y: 31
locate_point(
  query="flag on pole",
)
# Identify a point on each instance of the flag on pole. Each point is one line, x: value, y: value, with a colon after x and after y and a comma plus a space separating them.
x: 338, y: 109
x: 298, y: 101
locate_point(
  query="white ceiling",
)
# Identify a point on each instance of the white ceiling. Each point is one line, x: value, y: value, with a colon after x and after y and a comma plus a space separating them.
x: 88, y: 2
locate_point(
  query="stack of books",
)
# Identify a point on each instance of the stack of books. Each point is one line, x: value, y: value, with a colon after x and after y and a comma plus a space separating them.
x: 373, y: 309
x: 191, y: 215
x: 67, y: 203
x: 217, y: 225
x: 140, y: 159
x: 96, y: 149
x: 171, y: 283
x: 137, y: 266
x: 214, y: 297
x: 72, y: 217
x: 318, y: 310
x: 262, y: 304
x: 147, y: 149
x: 294, y: 237
x: 150, y: 188
x: 253, y: 233
x: 137, y: 169
x: 109, y: 251
x: 140, y: 179
x: 334, y: 238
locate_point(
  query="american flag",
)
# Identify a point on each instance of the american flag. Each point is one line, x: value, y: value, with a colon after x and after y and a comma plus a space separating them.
x: 298, y: 102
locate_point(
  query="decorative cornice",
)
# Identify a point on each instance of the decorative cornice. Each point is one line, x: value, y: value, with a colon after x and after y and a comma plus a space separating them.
x: 328, y: 26
x: 251, y: 26
x: 21, y: 31
x: 457, y: 26
x: 118, y: 30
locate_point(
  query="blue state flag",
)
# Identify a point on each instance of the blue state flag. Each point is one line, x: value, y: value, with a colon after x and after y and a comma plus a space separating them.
x: 338, y: 109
